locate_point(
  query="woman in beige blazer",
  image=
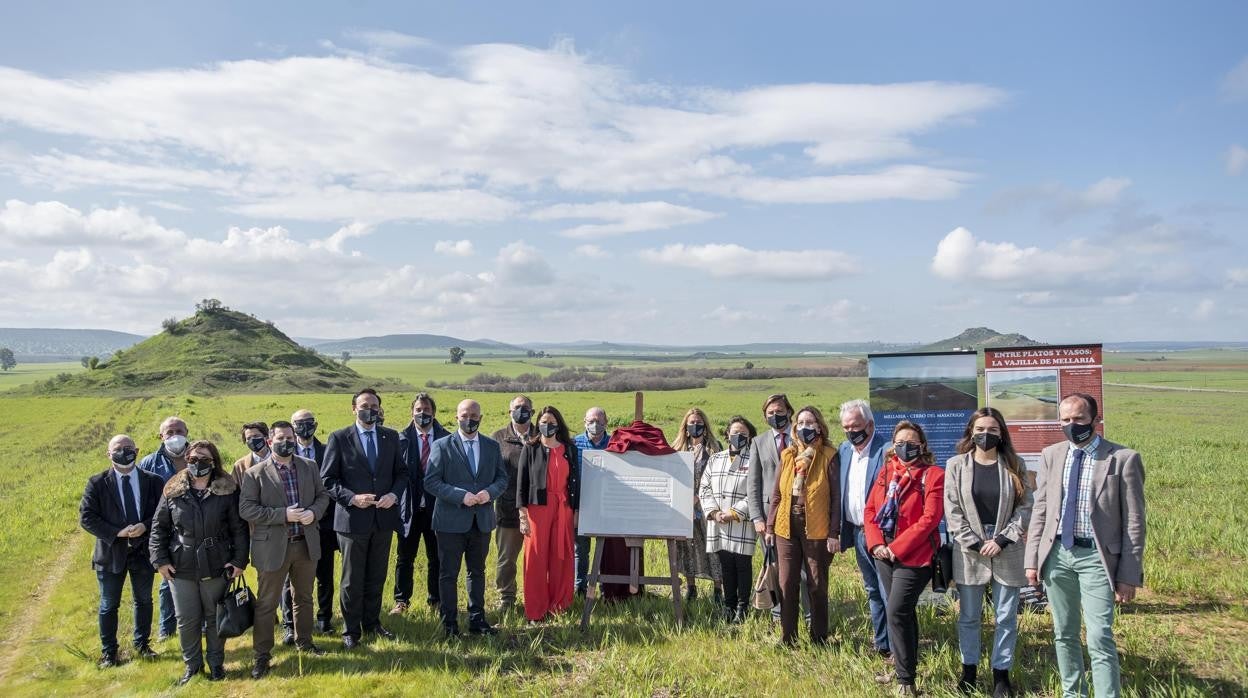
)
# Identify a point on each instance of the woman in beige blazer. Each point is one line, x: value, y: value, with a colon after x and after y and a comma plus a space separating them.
x: 987, y: 510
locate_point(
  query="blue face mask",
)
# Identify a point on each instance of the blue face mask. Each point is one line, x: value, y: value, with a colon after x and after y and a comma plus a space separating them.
x: 521, y: 415
x: 695, y: 430
x: 907, y: 451
x: 422, y: 419
x: 1078, y: 433
x: 548, y: 429
x: 807, y: 434
x: 367, y: 415
x: 469, y: 426
x: 738, y: 442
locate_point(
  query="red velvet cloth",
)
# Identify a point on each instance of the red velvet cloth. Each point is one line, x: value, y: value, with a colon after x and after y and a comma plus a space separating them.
x: 640, y: 437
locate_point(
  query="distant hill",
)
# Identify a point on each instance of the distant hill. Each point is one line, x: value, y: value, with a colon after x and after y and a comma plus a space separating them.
x: 212, y: 352
x: 791, y: 348
x: 47, y: 344
x: 978, y: 338
x: 400, y: 343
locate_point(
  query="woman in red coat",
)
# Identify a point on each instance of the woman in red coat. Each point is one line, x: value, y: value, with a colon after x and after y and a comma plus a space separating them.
x: 548, y: 493
x: 901, y: 519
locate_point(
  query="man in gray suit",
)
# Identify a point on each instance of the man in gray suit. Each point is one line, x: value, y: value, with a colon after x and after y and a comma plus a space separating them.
x: 284, y: 500
x: 1086, y: 541
x: 466, y: 474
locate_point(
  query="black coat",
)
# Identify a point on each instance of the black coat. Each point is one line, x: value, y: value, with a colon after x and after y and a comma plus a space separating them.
x: 511, y: 446
x: 199, y: 536
x: 102, y: 514
x: 346, y: 474
x: 409, y: 447
x: 531, y: 488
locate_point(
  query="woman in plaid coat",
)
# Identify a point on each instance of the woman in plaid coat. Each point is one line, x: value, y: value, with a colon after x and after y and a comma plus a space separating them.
x: 729, y: 532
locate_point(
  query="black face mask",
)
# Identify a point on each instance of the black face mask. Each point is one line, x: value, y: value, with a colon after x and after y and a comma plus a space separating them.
x: 807, y: 434
x: 367, y: 415
x: 1078, y: 433
x: 521, y: 415
x: 857, y: 437
x: 469, y: 426
x: 907, y: 452
x: 199, y: 469
x: 695, y: 431
x: 285, y: 449
x: 986, y: 440
x: 548, y: 429
x: 256, y: 444
x: 422, y: 419
x: 738, y: 442
x: 125, y: 457
x: 305, y: 428
x: 778, y: 421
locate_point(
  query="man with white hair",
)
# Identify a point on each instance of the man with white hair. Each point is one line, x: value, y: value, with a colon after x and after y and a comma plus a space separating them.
x: 862, y: 454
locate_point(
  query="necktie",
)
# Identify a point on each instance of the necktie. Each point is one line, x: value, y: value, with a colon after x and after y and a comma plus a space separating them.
x: 784, y: 441
x: 370, y: 452
x: 127, y: 500
x: 472, y: 456
x: 424, y: 451
x: 1072, y: 500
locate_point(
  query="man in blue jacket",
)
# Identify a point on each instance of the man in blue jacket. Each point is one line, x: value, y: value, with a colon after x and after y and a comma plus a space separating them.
x: 862, y: 454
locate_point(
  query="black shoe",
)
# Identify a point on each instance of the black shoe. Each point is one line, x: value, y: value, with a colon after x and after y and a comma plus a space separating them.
x: 324, y: 627
x: 907, y: 689
x: 381, y: 632
x: 288, y: 637
x: 164, y: 636
x: 312, y: 650
x: 216, y: 673
x: 742, y: 614
x: 190, y: 673
x: 719, y: 596
x: 350, y: 642
x: 432, y: 601
x: 145, y: 651
x: 108, y: 660
x: 691, y: 592
x: 966, y: 684
x: 451, y: 631
x: 727, y: 613
x: 1001, y: 687
x: 482, y: 629
x: 260, y: 669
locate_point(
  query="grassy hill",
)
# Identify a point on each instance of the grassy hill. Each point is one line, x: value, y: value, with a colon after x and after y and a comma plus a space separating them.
x: 978, y: 338
x: 214, y: 351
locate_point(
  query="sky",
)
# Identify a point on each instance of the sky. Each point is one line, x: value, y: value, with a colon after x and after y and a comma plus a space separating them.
x: 672, y: 173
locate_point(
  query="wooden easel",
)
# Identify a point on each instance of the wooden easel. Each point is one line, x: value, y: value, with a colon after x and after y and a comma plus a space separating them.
x: 636, y: 548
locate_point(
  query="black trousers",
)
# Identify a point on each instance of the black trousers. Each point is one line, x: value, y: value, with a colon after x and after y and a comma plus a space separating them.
x: 902, y: 586
x: 471, y: 548
x: 365, y: 559
x: 738, y: 573
x: 324, y: 585
x: 405, y: 559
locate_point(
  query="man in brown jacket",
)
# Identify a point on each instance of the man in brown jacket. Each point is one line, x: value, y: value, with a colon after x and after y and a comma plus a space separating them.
x: 284, y: 499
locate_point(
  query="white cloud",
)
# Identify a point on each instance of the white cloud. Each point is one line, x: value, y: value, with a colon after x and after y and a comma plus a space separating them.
x: 454, y: 248
x: 523, y: 265
x: 960, y: 256
x: 1235, y: 83
x: 334, y: 242
x: 726, y: 315
x: 1204, y: 309
x: 1059, y: 202
x: 590, y: 251
x: 1124, y: 299
x: 735, y: 261
x: 837, y: 311
x: 1236, y: 160
x: 388, y: 41
x: 54, y: 223
x: 1237, y: 277
x: 622, y: 217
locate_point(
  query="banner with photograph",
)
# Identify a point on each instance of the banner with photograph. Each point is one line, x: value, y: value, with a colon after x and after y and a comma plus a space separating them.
x: 936, y: 390
x: 1027, y: 383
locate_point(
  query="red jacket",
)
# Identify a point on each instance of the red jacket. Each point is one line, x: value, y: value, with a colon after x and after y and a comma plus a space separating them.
x: 917, y: 517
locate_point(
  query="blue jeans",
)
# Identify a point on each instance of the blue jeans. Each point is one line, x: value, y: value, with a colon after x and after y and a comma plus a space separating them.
x: 877, y: 598
x: 970, y: 615
x: 110, y: 602
x: 168, y: 617
x: 582, y: 562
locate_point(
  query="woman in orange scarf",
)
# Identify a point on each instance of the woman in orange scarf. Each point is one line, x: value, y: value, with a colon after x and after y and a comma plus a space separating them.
x: 805, y: 520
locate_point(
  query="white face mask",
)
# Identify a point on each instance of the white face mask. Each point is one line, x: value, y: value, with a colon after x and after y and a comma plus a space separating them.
x: 175, y: 445
x: 593, y: 428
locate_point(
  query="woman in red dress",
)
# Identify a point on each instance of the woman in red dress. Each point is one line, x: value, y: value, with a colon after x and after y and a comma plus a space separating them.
x: 548, y: 490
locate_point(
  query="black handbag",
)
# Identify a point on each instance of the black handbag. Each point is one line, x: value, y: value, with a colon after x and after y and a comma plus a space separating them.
x: 942, y: 554
x: 236, y: 610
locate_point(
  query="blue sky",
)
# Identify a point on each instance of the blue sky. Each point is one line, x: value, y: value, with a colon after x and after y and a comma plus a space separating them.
x: 654, y: 172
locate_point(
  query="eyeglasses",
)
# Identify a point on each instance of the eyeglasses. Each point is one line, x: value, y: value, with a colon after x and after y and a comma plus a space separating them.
x: 200, y: 461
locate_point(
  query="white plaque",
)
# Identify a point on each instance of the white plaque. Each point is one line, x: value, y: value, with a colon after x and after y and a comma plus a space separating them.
x: 635, y: 495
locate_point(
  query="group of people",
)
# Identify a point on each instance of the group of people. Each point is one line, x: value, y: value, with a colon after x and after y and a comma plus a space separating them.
x: 288, y: 505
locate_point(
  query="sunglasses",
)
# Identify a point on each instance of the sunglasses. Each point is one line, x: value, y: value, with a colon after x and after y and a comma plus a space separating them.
x: 200, y: 461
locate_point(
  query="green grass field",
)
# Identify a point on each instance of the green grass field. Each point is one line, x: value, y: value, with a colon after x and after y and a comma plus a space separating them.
x: 1186, y: 635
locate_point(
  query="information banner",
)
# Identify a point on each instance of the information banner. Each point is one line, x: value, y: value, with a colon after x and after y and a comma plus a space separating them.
x: 1027, y: 383
x: 936, y: 390
x: 631, y: 494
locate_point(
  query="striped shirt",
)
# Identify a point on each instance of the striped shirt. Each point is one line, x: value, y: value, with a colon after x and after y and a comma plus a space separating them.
x: 1083, y: 504
x: 290, y: 481
x: 725, y: 487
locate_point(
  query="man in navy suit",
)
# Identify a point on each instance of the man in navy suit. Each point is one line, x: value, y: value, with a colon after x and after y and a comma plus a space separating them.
x: 862, y: 454
x: 365, y: 473
x: 466, y: 474
x: 117, y: 508
x: 416, y: 507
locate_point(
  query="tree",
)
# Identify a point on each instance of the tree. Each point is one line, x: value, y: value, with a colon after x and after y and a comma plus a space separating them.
x: 209, y: 305
x: 93, y: 363
x: 170, y: 325
x: 346, y: 356
x: 749, y: 365
x: 86, y: 361
x: 457, y: 354
x: 7, y: 362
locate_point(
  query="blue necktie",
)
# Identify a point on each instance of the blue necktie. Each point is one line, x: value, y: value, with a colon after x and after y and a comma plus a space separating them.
x: 1072, y: 500
x: 127, y: 500
x: 370, y: 452
x: 472, y: 456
